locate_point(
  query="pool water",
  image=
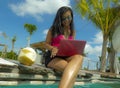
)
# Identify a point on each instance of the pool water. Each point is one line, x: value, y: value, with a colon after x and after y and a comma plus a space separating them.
x: 90, y: 85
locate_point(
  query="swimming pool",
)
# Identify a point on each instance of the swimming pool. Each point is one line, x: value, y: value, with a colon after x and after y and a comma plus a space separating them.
x: 88, y: 85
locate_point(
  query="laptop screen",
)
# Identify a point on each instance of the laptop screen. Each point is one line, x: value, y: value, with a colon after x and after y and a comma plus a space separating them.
x: 71, y: 47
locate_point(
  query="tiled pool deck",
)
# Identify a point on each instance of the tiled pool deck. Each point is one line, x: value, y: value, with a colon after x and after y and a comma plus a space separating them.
x: 14, y: 73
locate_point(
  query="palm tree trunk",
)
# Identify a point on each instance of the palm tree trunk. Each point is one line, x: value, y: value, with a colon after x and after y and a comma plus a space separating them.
x: 103, y: 55
x: 112, y: 59
x: 12, y: 46
x: 28, y: 39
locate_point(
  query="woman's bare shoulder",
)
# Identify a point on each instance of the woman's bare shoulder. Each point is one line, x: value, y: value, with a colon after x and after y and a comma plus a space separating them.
x: 50, y: 30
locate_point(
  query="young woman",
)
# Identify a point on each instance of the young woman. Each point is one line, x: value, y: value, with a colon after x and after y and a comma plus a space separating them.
x: 62, y: 28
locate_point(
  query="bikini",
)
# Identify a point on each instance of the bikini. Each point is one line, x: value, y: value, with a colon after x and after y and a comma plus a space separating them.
x: 55, y: 42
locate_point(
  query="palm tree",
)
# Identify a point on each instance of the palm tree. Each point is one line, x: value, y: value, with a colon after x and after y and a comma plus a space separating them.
x: 101, y: 14
x: 13, y: 42
x: 112, y: 52
x: 30, y: 28
x: 4, y: 35
x: 4, y: 51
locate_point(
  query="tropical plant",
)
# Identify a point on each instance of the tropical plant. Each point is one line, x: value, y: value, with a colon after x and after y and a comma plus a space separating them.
x: 100, y: 12
x: 3, y: 34
x: 13, y: 42
x: 11, y: 55
x: 3, y: 53
x: 112, y: 53
x: 30, y: 28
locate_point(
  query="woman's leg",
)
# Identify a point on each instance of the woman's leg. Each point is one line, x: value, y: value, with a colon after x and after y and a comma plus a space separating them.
x: 71, y: 71
x: 58, y: 64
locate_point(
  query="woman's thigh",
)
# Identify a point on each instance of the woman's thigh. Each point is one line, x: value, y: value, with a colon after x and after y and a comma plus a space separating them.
x: 58, y: 64
x: 76, y: 57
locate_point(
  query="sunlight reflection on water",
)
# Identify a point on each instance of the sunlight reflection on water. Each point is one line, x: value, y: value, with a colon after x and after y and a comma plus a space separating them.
x: 89, y: 85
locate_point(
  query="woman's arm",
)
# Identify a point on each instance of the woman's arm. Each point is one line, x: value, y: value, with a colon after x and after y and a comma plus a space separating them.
x: 48, y: 40
x: 48, y: 46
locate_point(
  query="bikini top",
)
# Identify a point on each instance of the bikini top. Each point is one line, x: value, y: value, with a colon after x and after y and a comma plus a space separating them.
x: 56, y: 40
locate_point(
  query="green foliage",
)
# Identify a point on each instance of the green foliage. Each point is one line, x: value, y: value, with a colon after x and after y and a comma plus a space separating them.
x: 30, y: 28
x: 100, y: 12
x: 11, y: 55
x: 85, y: 68
x: 104, y: 14
x: 14, y: 38
x: 0, y: 53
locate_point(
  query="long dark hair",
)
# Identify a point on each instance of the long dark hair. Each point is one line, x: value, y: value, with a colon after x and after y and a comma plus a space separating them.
x: 57, y: 27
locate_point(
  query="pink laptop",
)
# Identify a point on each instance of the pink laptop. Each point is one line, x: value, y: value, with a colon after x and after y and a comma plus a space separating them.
x: 71, y: 47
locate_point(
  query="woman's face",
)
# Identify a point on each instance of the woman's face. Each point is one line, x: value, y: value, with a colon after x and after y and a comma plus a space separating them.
x: 66, y: 19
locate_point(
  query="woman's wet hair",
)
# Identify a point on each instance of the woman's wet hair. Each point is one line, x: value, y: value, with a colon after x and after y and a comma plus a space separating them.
x: 57, y: 27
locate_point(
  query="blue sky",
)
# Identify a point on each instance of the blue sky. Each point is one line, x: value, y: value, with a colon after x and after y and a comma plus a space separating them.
x: 15, y: 13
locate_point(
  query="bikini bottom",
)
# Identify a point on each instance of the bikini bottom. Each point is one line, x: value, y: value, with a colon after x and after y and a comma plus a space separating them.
x: 48, y: 58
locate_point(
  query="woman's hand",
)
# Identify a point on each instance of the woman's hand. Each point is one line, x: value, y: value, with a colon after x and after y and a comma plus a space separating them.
x: 54, y: 51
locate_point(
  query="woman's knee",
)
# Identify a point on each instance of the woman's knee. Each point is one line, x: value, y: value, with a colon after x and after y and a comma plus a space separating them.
x: 77, y: 56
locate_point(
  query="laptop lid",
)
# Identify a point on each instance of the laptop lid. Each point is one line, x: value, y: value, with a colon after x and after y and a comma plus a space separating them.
x: 71, y: 47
